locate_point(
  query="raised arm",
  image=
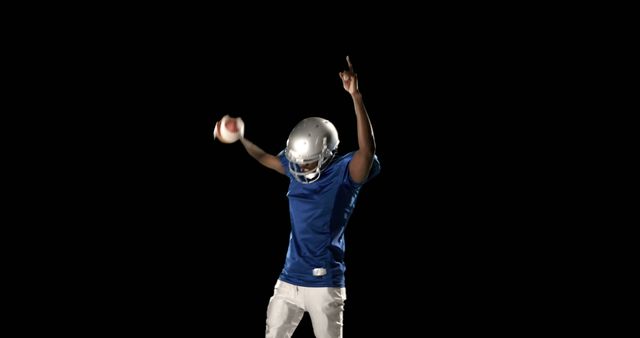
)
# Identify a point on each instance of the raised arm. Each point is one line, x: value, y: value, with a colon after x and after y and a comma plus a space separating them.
x: 361, y: 162
x: 261, y: 156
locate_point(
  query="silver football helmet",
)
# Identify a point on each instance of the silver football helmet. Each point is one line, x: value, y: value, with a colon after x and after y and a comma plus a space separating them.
x: 312, y: 140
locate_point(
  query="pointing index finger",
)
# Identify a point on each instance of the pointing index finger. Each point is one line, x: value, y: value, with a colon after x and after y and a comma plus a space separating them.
x: 349, y: 63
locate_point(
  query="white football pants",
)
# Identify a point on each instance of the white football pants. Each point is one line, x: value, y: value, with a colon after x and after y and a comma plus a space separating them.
x: 290, y: 302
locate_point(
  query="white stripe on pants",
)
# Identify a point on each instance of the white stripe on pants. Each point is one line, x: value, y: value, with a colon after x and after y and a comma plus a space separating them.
x: 289, y: 303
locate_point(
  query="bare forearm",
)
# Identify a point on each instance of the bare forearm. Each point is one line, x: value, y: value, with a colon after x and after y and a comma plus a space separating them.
x: 253, y: 150
x: 366, y: 140
x: 261, y: 156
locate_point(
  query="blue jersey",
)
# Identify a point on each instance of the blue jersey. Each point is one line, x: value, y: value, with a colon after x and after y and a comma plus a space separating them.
x: 319, y: 214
